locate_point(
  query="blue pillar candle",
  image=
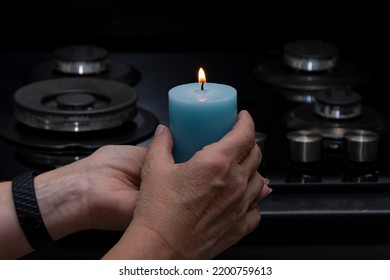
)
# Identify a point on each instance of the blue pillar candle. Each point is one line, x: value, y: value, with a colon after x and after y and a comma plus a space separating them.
x: 200, y: 114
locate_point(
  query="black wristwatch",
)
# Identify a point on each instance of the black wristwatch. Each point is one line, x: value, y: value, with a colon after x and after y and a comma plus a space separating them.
x: 29, y: 215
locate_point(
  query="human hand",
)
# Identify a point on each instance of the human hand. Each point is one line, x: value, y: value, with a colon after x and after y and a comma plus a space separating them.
x: 196, y: 209
x: 97, y: 192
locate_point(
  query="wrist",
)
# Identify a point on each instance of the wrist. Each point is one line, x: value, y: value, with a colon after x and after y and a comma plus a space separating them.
x: 61, y: 201
x: 141, y: 243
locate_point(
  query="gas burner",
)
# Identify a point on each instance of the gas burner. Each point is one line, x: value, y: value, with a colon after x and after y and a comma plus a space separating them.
x: 53, y: 148
x: 75, y: 104
x: 133, y: 132
x: 306, y: 67
x: 338, y: 104
x: 81, y: 61
x: 311, y: 56
x: 61, y: 120
x: 335, y: 113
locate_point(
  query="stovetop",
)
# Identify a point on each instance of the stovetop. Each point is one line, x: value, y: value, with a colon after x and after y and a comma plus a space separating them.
x: 316, y: 206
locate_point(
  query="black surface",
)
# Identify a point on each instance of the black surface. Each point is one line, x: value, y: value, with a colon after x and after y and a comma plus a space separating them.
x: 133, y: 25
x: 331, y: 219
x: 311, y: 49
x: 81, y: 53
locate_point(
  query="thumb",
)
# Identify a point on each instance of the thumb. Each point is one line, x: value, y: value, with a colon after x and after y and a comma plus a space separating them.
x: 160, y: 149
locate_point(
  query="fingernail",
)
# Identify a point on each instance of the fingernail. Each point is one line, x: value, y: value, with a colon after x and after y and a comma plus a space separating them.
x: 269, y: 189
x: 160, y: 128
x: 266, y: 181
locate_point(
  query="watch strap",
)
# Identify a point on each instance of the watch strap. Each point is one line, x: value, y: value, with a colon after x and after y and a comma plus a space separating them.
x: 29, y: 215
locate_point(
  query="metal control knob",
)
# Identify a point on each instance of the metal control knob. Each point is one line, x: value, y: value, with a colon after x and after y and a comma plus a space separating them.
x: 304, y: 146
x: 361, y: 146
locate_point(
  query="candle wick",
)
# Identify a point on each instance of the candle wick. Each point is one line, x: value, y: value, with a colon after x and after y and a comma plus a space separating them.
x: 201, y: 86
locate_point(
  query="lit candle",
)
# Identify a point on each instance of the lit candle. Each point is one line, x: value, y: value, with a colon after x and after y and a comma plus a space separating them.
x: 200, y: 114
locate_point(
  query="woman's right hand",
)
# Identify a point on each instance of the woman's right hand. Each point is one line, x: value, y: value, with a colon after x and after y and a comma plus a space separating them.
x: 199, y: 208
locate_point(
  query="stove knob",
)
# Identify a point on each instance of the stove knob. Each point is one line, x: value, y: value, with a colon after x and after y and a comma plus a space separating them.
x: 361, y: 146
x: 304, y: 146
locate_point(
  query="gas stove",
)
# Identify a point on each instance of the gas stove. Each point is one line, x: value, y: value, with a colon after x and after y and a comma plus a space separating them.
x: 324, y: 133
x: 320, y: 121
x: 72, y: 104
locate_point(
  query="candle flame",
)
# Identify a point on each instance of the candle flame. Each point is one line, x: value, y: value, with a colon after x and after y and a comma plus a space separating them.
x: 201, y: 76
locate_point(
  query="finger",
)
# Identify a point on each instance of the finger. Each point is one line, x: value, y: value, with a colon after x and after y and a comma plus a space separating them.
x: 257, y: 190
x: 265, y: 191
x: 252, y: 219
x: 239, y: 141
x: 250, y: 164
x: 253, y: 191
x: 160, y: 149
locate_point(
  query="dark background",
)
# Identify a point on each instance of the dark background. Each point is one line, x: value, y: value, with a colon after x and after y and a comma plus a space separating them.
x: 359, y: 29
x: 123, y: 25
